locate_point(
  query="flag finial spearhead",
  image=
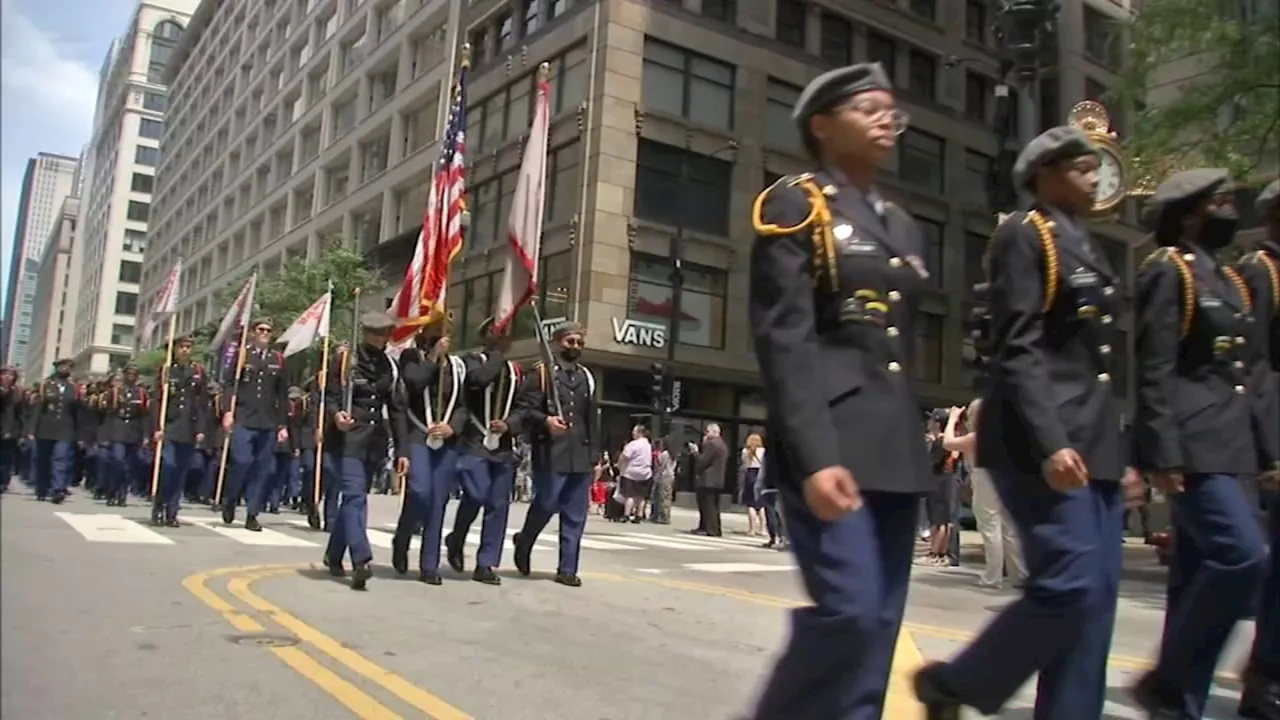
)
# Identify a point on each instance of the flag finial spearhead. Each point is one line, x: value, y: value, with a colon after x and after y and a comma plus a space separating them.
x: 544, y: 71
x: 465, y: 57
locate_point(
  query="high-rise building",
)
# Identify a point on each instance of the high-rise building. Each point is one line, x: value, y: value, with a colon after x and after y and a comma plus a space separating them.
x: 49, y: 179
x: 298, y: 122
x: 123, y: 153
x: 56, y: 292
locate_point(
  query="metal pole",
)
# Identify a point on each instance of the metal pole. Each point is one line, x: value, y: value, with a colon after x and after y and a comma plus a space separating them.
x: 1028, y: 94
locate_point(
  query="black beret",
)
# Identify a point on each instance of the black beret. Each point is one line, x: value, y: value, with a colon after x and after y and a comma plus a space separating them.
x: 1267, y: 198
x: 1189, y: 186
x: 184, y: 340
x: 377, y: 321
x: 568, y: 327
x: 263, y: 321
x: 835, y: 86
x: 1050, y: 146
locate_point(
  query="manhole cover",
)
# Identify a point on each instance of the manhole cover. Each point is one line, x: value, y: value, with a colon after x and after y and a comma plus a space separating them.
x: 262, y: 640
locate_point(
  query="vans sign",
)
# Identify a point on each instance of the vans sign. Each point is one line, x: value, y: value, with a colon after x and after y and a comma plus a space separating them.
x: 642, y: 334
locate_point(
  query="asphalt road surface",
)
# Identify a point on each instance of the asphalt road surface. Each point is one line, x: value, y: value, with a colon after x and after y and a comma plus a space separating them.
x: 102, y: 617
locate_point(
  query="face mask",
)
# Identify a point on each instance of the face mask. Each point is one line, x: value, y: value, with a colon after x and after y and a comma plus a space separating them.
x: 1219, y: 229
x: 570, y: 354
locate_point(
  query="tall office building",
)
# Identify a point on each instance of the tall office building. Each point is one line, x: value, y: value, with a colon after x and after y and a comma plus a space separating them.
x: 48, y: 181
x: 57, y: 292
x: 298, y: 122
x: 123, y: 153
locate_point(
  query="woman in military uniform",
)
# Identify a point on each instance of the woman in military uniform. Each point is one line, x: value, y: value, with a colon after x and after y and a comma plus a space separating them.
x: 835, y: 272
x: 1194, y: 433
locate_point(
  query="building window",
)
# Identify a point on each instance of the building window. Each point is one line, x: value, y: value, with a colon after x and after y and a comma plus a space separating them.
x: 883, y: 50
x: 168, y: 30
x: 701, y: 201
x: 126, y: 303
x: 722, y: 10
x: 138, y: 211
x: 977, y: 96
x: 1094, y: 90
x: 790, y: 21
x: 479, y: 40
x: 780, y: 129
x: 565, y: 183
x: 837, y: 40
x: 158, y: 102
x: 977, y: 177
x: 920, y: 161
x: 687, y: 85
x: 975, y: 252
x: 147, y: 156
x: 1100, y: 38
x: 134, y: 242
x: 976, y: 25
x: 925, y: 8
x: 142, y: 183
x: 130, y: 272
x: 922, y: 74
x: 122, y: 335
x: 932, y: 232
x: 558, y: 7
x: 506, y: 32
x: 532, y: 17
x: 1049, y: 102
x: 702, y: 299
x: 554, y: 295
x: 929, y: 348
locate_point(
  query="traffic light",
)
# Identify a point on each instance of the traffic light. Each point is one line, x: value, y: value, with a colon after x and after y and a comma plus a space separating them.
x: 658, y: 388
x: 976, y: 346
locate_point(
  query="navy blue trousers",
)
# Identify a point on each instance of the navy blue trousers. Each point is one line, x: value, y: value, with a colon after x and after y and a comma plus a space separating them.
x: 53, y: 463
x: 486, y: 485
x: 1218, y: 560
x: 8, y: 460
x: 566, y: 494
x: 350, y: 531
x: 252, y: 462
x: 175, y: 462
x: 1061, y: 627
x: 123, y: 466
x: 1266, y: 645
x: 856, y: 570
x: 328, y: 490
x: 432, y: 474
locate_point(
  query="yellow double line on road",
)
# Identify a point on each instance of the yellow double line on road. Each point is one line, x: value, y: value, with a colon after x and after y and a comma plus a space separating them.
x: 240, y: 582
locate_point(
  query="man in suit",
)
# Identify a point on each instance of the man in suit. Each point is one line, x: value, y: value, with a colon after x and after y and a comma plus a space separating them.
x: 836, y: 276
x: 1260, y: 269
x: 1049, y: 434
x: 558, y: 406
x: 709, y: 470
x: 1194, y: 433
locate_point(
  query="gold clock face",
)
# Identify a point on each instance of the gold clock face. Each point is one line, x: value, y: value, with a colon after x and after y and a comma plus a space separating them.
x: 1111, y: 180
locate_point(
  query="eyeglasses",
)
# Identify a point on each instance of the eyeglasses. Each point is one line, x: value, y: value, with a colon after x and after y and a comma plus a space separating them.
x: 900, y: 119
x: 574, y: 342
x: 262, y: 329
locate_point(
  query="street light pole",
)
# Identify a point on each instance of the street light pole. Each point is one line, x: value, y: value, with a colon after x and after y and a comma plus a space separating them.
x: 675, y: 251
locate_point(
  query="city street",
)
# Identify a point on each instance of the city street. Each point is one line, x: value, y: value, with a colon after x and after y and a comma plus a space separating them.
x: 106, y: 618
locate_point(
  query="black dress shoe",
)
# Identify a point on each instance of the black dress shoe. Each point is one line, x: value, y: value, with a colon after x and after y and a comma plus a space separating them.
x: 486, y: 575
x: 251, y: 524
x: 568, y: 579
x: 172, y: 522
x: 57, y: 498
x: 453, y: 553
x: 430, y: 578
x: 335, y: 568
x: 523, y: 554
x: 1260, y: 697
x: 1153, y: 699
x: 400, y: 554
x: 157, y: 516
x: 360, y: 574
x: 939, y: 704
x: 228, y: 514
x: 111, y: 502
x: 313, y: 520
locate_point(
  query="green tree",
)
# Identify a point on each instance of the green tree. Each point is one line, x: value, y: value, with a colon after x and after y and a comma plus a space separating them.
x: 1201, y: 75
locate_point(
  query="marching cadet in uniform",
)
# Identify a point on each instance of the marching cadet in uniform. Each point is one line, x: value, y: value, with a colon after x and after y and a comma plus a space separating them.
x: 182, y: 430
x: 284, y: 472
x: 487, y: 465
x: 356, y: 447
x: 258, y: 425
x: 1260, y: 269
x: 1050, y: 436
x: 323, y: 516
x: 436, y: 415
x: 126, y: 427
x: 558, y: 407
x: 211, y: 448
x: 834, y: 280
x: 1194, y: 433
x: 54, y: 429
x: 11, y: 401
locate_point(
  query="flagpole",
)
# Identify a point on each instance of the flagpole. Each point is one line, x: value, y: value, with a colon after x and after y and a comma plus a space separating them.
x: 324, y: 384
x: 164, y: 408
x: 231, y: 410
x: 349, y: 398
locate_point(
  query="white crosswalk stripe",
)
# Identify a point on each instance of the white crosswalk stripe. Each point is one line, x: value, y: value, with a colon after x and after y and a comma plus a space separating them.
x: 295, y: 533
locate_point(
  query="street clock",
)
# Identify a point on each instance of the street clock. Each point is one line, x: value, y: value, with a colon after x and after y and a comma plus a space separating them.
x: 1092, y: 119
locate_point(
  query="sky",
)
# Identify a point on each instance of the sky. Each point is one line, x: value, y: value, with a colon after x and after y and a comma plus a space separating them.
x: 50, y: 54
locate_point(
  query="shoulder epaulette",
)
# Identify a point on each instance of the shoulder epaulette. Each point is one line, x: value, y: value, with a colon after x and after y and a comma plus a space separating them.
x: 1258, y: 257
x: 1170, y: 256
x: 1044, y: 229
x: 818, y: 222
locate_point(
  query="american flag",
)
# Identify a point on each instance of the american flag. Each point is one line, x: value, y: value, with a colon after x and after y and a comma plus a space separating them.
x: 420, y: 300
